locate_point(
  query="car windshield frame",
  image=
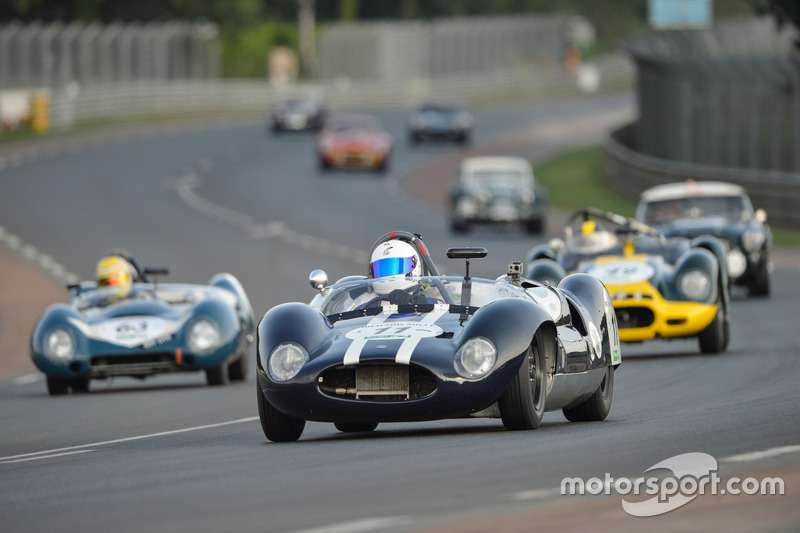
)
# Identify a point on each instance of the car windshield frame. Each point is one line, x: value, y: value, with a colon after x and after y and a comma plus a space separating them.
x: 732, y: 208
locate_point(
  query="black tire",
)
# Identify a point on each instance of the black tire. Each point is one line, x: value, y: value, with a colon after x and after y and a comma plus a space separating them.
x: 534, y: 226
x: 355, y: 427
x: 323, y: 165
x: 237, y: 370
x: 79, y: 385
x: 712, y: 339
x: 277, y: 426
x: 57, y: 386
x: 598, y: 405
x: 384, y: 166
x: 522, y: 403
x: 218, y: 375
x: 760, y: 284
x: 459, y: 226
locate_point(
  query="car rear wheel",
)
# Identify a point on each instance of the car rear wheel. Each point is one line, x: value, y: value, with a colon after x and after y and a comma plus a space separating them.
x: 712, y: 339
x: 237, y: 370
x: 218, y: 375
x: 522, y: 403
x: 534, y: 226
x: 57, y: 386
x: 459, y: 226
x: 760, y: 284
x: 355, y: 427
x: 277, y: 426
x: 598, y: 405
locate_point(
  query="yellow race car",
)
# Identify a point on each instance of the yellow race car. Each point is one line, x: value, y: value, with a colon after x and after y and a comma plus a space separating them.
x: 661, y: 287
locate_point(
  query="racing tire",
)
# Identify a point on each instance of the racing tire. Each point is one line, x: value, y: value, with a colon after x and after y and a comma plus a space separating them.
x: 760, y: 284
x: 534, y: 226
x: 355, y: 427
x: 237, y: 370
x: 459, y: 227
x: 277, y: 426
x: 57, y: 386
x: 324, y: 166
x: 712, y: 339
x: 522, y: 403
x: 218, y: 375
x: 597, y: 406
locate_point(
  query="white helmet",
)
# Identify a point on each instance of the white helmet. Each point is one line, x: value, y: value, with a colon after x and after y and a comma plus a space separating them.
x: 394, y: 257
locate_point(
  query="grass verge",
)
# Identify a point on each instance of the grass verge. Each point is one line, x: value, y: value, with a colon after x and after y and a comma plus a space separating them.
x: 575, y: 179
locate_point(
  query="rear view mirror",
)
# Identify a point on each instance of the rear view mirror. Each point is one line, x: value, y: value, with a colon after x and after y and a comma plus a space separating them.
x: 466, y: 253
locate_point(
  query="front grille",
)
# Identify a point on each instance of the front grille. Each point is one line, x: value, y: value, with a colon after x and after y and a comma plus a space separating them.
x: 154, y: 358
x: 634, y: 317
x: 377, y: 382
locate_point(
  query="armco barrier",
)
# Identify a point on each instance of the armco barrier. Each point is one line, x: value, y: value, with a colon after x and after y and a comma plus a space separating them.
x: 629, y: 172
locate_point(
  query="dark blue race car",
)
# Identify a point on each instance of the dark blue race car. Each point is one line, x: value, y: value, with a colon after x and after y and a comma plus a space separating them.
x: 372, y: 350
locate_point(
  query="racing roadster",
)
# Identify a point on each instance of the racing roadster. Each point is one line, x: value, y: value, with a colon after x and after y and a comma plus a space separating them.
x: 156, y: 328
x: 451, y: 347
x: 354, y: 140
x: 661, y: 287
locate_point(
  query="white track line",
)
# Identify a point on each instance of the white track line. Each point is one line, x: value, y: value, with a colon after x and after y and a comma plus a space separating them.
x: 763, y: 454
x: 360, y: 526
x: 10, y: 458
x: 25, y: 459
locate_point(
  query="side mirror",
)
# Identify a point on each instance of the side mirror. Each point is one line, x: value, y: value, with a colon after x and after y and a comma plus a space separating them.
x: 761, y: 215
x: 318, y: 279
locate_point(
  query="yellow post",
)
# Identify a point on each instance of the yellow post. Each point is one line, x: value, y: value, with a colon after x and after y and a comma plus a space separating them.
x: 40, y: 112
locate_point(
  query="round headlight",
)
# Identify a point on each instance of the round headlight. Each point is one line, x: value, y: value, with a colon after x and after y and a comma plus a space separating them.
x: 737, y: 263
x: 752, y: 240
x: 476, y: 357
x: 466, y: 207
x: 694, y: 284
x: 59, y: 344
x: 203, y: 336
x: 286, y: 360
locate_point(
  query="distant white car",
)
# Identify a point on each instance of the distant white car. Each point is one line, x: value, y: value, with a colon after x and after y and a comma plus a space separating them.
x: 497, y: 190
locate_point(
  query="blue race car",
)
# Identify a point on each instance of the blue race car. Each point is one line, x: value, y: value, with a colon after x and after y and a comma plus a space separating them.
x: 155, y: 328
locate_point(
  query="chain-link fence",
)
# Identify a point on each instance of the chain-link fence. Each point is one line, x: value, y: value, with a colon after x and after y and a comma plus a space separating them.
x: 721, y: 104
x: 57, y: 55
x: 400, y: 51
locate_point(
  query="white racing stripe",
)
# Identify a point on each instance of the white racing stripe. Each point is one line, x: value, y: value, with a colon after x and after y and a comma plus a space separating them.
x: 52, y: 453
x: 353, y: 353
x: 406, y: 349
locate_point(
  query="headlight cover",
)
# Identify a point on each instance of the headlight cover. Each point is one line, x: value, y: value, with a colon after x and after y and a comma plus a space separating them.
x: 286, y: 360
x: 694, y: 284
x: 59, y: 345
x: 752, y: 240
x: 737, y: 263
x: 476, y: 357
x: 203, y: 336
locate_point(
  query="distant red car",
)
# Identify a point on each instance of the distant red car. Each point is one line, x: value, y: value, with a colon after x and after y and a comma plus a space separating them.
x: 354, y: 141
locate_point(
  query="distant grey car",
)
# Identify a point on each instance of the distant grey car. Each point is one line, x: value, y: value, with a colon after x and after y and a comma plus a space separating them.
x: 691, y: 209
x: 440, y: 122
x: 497, y: 190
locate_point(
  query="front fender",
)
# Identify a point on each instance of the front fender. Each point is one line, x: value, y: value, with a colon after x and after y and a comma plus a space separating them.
x: 292, y: 322
x: 510, y: 323
x: 592, y: 301
x: 545, y: 270
x: 696, y: 259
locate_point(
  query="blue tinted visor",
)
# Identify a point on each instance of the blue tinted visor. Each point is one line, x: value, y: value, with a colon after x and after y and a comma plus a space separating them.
x: 392, y: 266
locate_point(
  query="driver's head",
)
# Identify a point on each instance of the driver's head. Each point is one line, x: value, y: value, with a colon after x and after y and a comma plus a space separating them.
x: 393, y: 258
x: 114, y: 271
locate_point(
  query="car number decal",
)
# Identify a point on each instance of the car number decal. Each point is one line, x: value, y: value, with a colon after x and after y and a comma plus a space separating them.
x: 622, y: 272
x: 409, y: 332
x: 132, y: 331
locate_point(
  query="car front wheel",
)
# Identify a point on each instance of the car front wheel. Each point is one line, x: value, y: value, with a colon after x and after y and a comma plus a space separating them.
x: 277, y: 426
x: 522, y: 403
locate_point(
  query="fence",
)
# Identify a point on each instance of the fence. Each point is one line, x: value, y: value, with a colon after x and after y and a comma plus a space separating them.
x: 399, y: 51
x: 721, y: 104
x: 57, y: 55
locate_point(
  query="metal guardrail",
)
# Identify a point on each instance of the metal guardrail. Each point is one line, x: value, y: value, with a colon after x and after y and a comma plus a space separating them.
x: 629, y: 173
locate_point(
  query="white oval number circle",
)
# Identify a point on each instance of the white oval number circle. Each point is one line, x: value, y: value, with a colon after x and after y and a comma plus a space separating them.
x: 397, y: 330
x: 622, y: 272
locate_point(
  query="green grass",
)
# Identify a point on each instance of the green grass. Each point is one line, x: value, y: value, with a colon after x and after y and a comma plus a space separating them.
x: 575, y: 179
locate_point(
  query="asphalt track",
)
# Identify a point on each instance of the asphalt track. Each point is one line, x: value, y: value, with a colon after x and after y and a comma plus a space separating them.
x: 171, y: 454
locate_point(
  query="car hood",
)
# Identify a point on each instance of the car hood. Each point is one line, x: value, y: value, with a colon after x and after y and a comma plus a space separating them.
x: 621, y: 270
